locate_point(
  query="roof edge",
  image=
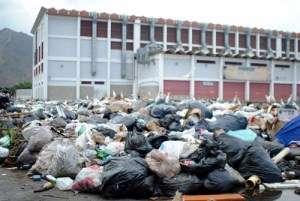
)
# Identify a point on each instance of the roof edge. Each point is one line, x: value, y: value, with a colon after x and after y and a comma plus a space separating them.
x: 43, y: 10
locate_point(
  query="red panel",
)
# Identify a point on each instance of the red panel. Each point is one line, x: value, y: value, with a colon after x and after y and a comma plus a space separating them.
x: 206, y: 90
x: 177, y: 87
x: 282, y: 91
x: 230, y: 89
x: 298, y: 90
x: 258, y: 91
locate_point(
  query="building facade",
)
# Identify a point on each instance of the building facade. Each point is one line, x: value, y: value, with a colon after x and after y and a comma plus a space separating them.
x: 79, y: 55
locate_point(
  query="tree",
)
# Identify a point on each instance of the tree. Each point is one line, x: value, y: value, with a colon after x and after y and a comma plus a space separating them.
x: 21, y: 85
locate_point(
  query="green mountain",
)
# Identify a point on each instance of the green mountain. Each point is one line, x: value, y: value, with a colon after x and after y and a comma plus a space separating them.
x: 15, y: 57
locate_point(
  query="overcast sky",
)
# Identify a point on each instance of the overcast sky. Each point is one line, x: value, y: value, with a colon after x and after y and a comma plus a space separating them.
x: 281, y: 15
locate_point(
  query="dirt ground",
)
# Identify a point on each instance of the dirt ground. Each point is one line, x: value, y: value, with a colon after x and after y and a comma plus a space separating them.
x: 16, y: 186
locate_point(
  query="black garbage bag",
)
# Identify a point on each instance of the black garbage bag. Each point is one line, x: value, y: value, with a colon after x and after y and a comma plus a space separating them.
x: 40, y: 114
x: 190, y: 104
x: 272, y: 147
x: 126, y: 177
x: 166, y: 120
x: 218, y: 181
x: 156, y: 140
x: 228, y: 122
x: 185, y: 183
x: 175, y: 126
x: 258, y: 162
x: 127, y: 120
x: 30, y: 117
x: 106, y: 113
x: 234, y: 148
x: 205, y: 164
x: 83, y: 110
x: 106, y: 131
x: 138, y: 142
x: 139, y: 105
x: 70, y: 114
x: 161, y: 110
x: 58, y: 122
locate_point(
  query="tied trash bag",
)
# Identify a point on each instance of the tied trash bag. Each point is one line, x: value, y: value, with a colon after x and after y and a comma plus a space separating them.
x: 218, y: 181
x: 89, y: 179
x: 138, y: 142
x: 162, y: 163
x: 185, y: 183
x: 64, y: 162
x: 190, y: 104
x: 228, y: 122
x: 128, y: 177
x: 161, y: 110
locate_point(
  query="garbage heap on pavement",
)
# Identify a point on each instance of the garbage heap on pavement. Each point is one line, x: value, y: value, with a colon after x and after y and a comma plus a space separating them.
x: 126, y: 148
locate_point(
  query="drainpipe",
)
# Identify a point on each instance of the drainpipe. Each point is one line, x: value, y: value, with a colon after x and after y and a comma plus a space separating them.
x: 94, y: 43
x: 269, y: 49
x: 123, y: 54
x: 152, y: 31
x: 178, y: 37
x: 203, y: 39
x: 226, y: 42
x: 249, y: 51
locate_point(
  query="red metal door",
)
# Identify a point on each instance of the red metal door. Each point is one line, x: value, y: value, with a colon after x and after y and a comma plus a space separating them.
x: 282, y: 91
x: 230, y: 89
x: 206, y: 90
x: 258, y: 91
x: 175, y: 87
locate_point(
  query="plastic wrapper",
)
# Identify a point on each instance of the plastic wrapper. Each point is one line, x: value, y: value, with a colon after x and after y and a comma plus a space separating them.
x: 88, y: 179
x: 64, y: 183
x: 162, y: 163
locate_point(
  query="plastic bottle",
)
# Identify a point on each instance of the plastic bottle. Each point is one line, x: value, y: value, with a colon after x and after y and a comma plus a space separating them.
x: 51, y: 178
x: 47, y: 185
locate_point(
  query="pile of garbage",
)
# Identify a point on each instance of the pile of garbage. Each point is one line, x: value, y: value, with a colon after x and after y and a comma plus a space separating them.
x: 124, y: 148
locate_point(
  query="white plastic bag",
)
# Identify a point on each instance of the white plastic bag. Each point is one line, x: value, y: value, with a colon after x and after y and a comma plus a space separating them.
x: 64, y: 183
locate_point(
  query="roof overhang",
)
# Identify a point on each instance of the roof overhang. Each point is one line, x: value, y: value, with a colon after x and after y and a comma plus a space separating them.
x: 38, y: 19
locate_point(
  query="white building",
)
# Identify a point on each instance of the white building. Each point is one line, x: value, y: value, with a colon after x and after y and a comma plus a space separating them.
x: 81, y: 54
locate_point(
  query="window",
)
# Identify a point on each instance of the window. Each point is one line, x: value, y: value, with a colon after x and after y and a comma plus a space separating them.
x: 231, y: 39
x: 129, y: 34
x: 292, y: 45
x: 263, y: 42
x: 42, y: 69
x: 145, y: 32
x: 208, y: 37
x: 242, y: 40
x: 206, y: 62
x: 253, y: 42
x: 283, y: 44
x: 220, y: 39
x: 116, y: 30
x: 233, y: 63
x: 159, y: 34
x: 196, y: 37
x: 258, y: 64
x: 273, y: 44
x: 86, y: 82
x: 281, y: 66
x: 129, y: 46
x: 97, y: 82
x: 39, y: 57
x: 102, y: 29
x: 184, y: 36
x: 116, y: 45
x: 85, y: 28
x: 171, y: 35
x: 42, y: 50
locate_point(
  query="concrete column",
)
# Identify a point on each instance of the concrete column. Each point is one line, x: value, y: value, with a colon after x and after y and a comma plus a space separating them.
x: 78, y: 59
x: 257, y: 44
x: 272, y: 78
x: 192, y: 80
x: 294, y: 88
x: 108, y: 81
x: 165, y: 37
x: 236, y: 42
x: 136, y: 46
x: 45, y: 59
x: 278, y: 46
x: 247, y: 90
x: 161, y: 72
x: 296, y: 48
x: 214, y: 41
x: 221, y: 78
x: 190, y: 38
